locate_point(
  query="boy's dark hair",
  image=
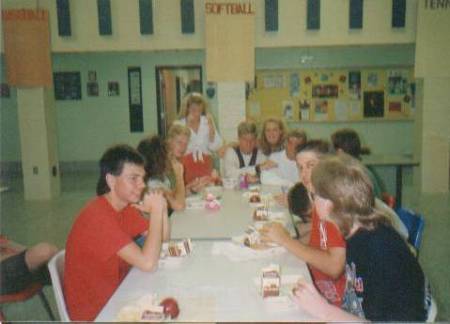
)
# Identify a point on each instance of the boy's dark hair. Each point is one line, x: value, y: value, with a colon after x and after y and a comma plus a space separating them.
x: 112, y: 162
x: 154, y: 150
x: 348, y: 141
x: 299, y: 202
x: 316, y: 145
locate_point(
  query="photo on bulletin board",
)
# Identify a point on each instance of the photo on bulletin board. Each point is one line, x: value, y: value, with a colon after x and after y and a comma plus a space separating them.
x: 372, y: 79
x: 294, y: 85
x: 395, y: 107
x: 273, y: 81
x: 354, y: 85
x: 4, y: 90
x: 354, y: 110
x: 304, y: 108
x: 67, y: 85
x: 113, y: 88
x: 288, y: 110
x: 92, y: 89
x: 397, y: 85
x: 373, y: 104
x: 412, y: 90
x: 341, y: 109
x: 320, y: 110
x: 325, y: 91
x: 92, y: 76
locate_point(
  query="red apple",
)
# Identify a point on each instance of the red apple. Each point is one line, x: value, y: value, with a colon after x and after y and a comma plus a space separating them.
x: 170, y: 307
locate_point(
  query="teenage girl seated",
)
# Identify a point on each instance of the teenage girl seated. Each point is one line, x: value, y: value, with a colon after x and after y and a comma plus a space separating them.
x: 384, y: 281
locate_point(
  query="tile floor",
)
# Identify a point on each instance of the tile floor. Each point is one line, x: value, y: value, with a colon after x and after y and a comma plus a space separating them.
x: 30, y: 222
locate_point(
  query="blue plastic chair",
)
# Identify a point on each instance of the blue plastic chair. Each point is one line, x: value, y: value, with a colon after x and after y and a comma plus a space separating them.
x: 415, y: 223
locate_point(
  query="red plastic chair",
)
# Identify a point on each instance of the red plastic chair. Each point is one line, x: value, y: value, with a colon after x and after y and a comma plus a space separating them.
x: 27, y: 293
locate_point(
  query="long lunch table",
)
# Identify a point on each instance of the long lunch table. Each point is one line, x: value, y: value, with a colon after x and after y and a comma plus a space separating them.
x: 230, y: 220
x: 209, y: 286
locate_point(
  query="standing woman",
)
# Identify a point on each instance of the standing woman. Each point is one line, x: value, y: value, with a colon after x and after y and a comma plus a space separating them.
x: 273, y: 135
x: 204, y: 139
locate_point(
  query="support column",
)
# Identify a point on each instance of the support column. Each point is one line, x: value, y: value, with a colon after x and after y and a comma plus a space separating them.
x: 37, y: 125
x: 435, y: 141
x: 432, y: 68
x: 230, y: 108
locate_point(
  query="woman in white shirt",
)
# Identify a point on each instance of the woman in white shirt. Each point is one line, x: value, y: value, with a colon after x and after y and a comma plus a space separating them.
x: 204, y: 140
x: 273, y: 135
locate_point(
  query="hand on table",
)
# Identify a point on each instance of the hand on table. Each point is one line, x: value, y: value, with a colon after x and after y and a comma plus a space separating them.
x: 251, y: 178
x: 268, y: 164
x: 307, y: 297
x: 274, y: 232
x: 198, y: 184
x: 281, y: 199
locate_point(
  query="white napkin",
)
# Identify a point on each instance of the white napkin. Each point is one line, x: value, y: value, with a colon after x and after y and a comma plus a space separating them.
x: 236, y: 253
x: 195, y: 202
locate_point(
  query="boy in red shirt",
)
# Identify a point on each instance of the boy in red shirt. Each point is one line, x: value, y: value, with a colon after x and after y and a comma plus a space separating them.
x: 325, y: 253
x: 100, y: 247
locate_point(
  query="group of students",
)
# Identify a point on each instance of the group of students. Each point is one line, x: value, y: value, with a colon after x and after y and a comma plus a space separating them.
x: 359, y: 259
x: 360, y: 264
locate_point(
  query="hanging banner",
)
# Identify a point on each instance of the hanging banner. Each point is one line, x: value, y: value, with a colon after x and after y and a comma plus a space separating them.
x: 27, y: 47
x: 230, y: 40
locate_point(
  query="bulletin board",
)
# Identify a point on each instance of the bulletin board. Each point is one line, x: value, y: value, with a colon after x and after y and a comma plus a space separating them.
x: 332, y: 95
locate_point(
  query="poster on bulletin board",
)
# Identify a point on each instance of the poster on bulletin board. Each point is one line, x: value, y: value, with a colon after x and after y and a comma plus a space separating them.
x: 333, y: 95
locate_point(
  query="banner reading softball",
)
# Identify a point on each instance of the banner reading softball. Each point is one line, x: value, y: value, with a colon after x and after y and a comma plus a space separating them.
x: 230, y: 40
x: 27, y: 47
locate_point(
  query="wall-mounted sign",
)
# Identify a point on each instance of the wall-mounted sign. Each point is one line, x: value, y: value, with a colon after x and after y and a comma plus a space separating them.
x: 67, y: 85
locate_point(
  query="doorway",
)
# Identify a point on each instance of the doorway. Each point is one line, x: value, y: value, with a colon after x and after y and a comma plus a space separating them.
x: 173, y: 83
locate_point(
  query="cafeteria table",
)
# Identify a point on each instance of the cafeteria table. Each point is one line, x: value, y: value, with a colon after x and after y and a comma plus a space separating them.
x: 233, y: 217
x: 209, y: 287
x: 209, y: 284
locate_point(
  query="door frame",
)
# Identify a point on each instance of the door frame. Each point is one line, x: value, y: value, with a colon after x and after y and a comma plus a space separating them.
x: 159, y: 108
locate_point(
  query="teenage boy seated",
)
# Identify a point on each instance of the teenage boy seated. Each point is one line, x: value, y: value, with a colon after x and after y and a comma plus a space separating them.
x: 346, y: 140
x: 285, y: 172
x: 245, y: 158
x: 100, y: 248
x: 300, y: 204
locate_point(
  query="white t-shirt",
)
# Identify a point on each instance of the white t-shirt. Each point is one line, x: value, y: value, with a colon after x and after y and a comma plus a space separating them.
x: 285, y: 174
x: 231, y: 163
x: 199, y: 143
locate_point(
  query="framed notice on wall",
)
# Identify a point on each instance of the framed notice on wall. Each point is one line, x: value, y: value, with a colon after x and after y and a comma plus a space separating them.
x: 135, y: 99
x: 67, y: 85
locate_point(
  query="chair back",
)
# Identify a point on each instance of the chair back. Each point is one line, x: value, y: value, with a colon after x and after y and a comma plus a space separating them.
x: 56, y: 268
x: 415, y: 223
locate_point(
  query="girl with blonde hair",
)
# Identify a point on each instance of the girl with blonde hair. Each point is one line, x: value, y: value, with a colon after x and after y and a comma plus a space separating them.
x: 384, y: 281
x: 163, y: 168
x: 203, y: 141
x: 272, y: 136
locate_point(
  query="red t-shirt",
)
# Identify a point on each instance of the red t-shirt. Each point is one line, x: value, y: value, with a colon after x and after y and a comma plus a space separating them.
x: 325, y: 235
x: 196, y: 169
x: 93, y: 270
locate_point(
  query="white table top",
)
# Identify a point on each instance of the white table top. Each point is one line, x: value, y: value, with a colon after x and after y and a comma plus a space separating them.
x: 230, y: 220
x: 212, y: 288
